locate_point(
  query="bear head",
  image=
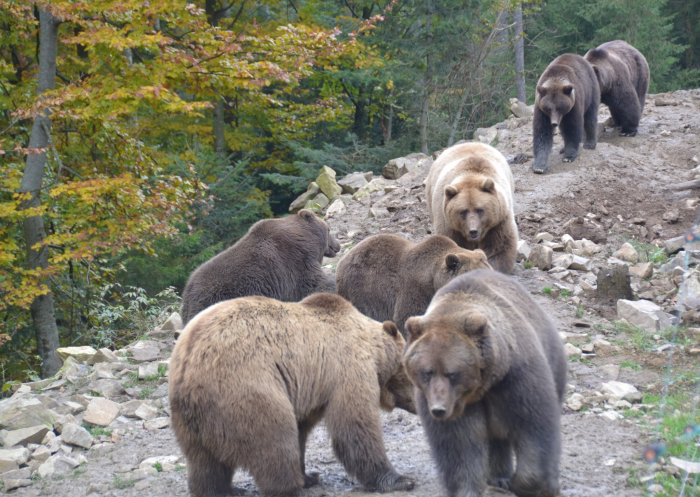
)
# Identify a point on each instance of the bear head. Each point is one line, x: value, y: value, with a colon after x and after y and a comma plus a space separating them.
x: 556, y: 98
x: 473, y: 206
x: 397, y: 390
x: 452, y: 357
x: 328, y: 244
x: 458, y: 262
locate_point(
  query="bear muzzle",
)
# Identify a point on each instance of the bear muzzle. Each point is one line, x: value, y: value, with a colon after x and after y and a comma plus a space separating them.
x: 333, y: 247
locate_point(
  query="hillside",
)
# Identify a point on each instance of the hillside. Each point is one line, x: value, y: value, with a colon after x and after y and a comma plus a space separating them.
x: 621, y: 188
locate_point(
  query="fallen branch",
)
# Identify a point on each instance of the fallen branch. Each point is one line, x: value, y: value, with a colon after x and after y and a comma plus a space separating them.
x: 688, y: 185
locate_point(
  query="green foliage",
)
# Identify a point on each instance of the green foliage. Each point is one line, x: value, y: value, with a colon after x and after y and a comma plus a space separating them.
x: 547, y: 290
x: 158, y: 466
x: 630, y: 364
x: 580, y: 311
x: 527, y: 265
x: 97, y: 431
x: 649, y: 253
x: 565, y: 293
x: 121, y: 482
x: 145, y: 392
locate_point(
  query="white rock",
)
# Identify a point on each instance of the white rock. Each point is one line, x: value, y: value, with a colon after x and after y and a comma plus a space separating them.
x: 644, y: 314
x: 616, y: 390
x: 541, y: 257
x: 101, y: 412
x: 146, y: 412
x: 20, y: 455
x: 642, y: 271
x: 42, y: 453
x: 563, y: 261
x: 575, y: 402
x: 163, y: 460
x: 627, y: 253
x: 76, y: 435
x: 523, y: 251
x: 571, y: 350
x: 80, y: 354
x: 611, y: 415
x: 144, y: 351
x: 336, y: 208
x: 544, y: 236
x: 148, y: 370
x: 581, y: 263
x: 24, y: 436
x: 57, y: 464
x: 23, y: 412
x: 173, y: 323
x: 157, y: 423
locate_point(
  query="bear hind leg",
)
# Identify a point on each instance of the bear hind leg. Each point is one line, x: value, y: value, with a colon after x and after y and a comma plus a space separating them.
x: 305, y: 428
x: 207, y: 476
x: 572, y: 131
x: 590, y: 127
x: 500, y: 463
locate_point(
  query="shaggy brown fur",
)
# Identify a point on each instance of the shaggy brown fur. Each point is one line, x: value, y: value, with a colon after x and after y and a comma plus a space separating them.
x: 389, y: 278
x: 469, y: 192
x: 623, y: 76
x: 277, y: 258
x: 251, y: 377
x: 568, y: 96
x: 490, y: 376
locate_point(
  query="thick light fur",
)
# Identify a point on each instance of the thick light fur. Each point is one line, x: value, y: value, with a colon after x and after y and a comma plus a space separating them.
x: 469, y: 192
x: 389, y: 278
x: 490, y: 375
x: 277, y: 258
x: 568, y: 96
x: 623, y: 76
x: 251, y: 377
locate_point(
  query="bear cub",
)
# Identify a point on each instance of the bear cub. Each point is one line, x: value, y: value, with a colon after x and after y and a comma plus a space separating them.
x: 568, y: 96
x: 388, y: 278
x: 469, y: 192
x: 489, y: 371
x: 277, y: 258
x: 623, y: 76
x: 251, y: 377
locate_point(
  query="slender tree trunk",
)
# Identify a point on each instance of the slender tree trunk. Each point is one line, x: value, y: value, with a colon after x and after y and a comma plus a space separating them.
x: 218, y: 125
x: 42, y: 308
x: 389, y: 122
x: 519, y: 54
x: 427, y: 83
x: 458, y: 115
x: 359, y: 124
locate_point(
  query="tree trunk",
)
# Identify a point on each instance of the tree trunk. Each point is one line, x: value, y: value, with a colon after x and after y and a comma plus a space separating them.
x: 360, y: 119
x: 519, y: 54
x: 427, y: 83
x: 389, y: 123
x: 458, y: 115
x: 42, y: 309
x: 218, y: 125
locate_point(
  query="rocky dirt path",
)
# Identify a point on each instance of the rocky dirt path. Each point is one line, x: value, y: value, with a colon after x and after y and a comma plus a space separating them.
x: 620, y: 191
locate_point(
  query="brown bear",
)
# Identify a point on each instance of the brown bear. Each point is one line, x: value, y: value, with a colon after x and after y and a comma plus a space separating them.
x: 251, y: 377
x: 489, y: 371
x: 623, y: 76
x: 388, y: 278
x: 469, y: 192
x: 277, y: 258
x: 568, y: 96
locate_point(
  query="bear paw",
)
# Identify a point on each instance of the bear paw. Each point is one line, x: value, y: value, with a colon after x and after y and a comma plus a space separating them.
x: 539, y: 168
x: 311, y: 479
x: 589, y: 146
x: 628, y: 133
x: 404, y: 483
x: 562, y: 150
x: 502, y: 483
x: 569, y: 158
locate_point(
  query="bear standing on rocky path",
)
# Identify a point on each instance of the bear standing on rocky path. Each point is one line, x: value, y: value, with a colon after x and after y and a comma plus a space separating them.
x: 568, y: 96
x: 277, y: 258
x: 490, y: 375
x: 251, y: 377
x: 469, y: 192
x: 623, y: 76
x: 388, y: 278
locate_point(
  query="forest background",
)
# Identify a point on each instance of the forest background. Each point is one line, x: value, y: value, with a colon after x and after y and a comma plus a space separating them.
x: 138, y: 139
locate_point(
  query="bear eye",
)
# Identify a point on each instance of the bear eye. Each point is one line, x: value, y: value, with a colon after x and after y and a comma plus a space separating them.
x: 480, y: 211
x: 453, y: 377
x: 464, y: 212
x: 426, y: 376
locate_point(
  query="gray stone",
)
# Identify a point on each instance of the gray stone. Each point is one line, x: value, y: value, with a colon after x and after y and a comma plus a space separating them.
x: 571, y: 350
x: 24, y: 436
x: 302, y: 199
x: 581, y: 263
x: 144, y: 351
x: 611, y: 371
x: 613, y: 282
x: 580, y: 228
x: 71, y: 407
x: 396, y: 168
x: 644, y: 270
x: 616, y: 390
x: 643, y: 314
x: 674, y: 244
x: 11, y: 483
x: 327, y: 183
x: 19, y: 455
x: 42, y: 453
x: 541, y: 257
x: 173, y: 323
x: 353, y: 182
x: 148, y: 370
x: 162, y: 460
x: 575, y: 402
x: 23, y: 412
x: 375, y: 185
x: 8, y: 465
x: 57, y: 464
x: 146, y: 412
x: 103, y: 355
x: 80, y: 354
x: 486, y: 135
x: 523, y: 250
x: 318, y: 203
x: 76, y: 435
x: 107, y: 388
x: 157, y: 423
x: 544, y: 236
x: 563, y: 261
x: 335, y: 209
x: 101, y: 412
x: 129, y: 408
x: 627, y: 253
x: 520, y: 109
x: 690, y: 288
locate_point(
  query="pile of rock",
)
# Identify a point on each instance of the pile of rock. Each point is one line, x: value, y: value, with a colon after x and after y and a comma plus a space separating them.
x: 330, y: 196
x: 48, y: 427
x: 613, y: 397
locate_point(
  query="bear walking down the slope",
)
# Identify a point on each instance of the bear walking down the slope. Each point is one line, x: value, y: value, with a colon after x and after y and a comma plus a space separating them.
x: 251, y: 377
x: 490, y: 375
x: 388, y: 278
x: 469, y: 192
x: 568, y: 96
x: 623, y: 76
x: 277, y: 258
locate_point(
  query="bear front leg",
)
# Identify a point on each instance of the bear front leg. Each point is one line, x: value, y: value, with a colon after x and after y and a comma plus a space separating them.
x: 572, y: 131
x: 500, y: 463
x: 501, y: 247
x: 206, y: 475
x: 459, y: 448
x: 542, y: 137
x: 353, y: 423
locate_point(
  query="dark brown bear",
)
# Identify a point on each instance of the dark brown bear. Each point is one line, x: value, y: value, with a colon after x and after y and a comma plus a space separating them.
x: 490, y: 375
x: 251, y: 377
x: 623, y: 76
x: 568, y: 96
x: 389, y: 278
x: 277, y: 258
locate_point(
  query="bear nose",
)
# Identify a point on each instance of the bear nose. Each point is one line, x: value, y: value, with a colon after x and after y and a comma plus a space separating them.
x: 473, y: 232
x: 438, y: 411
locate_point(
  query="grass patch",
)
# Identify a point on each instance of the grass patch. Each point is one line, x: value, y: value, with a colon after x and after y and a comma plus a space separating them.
x: 162, y: 369
x: 547, y: 290
x: 649, y: 253
x: 121, y: 482
x: 97, y: 431
x: 158, y: 466
x: 580, y: 312
x: 527, y: 265
x: 133, y: 378
x: 640, y: 338
x: 565, y: 293
x: 145, y: 392
x: 180, y: 467
x: 630, y: 364
x: 79, y: 472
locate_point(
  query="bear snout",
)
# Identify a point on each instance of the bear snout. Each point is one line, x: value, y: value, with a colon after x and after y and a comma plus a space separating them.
x: 438, y: 411
x: 474, y: 234
x: 333, y: 247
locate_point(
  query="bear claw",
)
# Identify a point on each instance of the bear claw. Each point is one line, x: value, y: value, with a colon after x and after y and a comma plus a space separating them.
x: 628, y: 133
x: 311, y: 479
x: 501, y: 483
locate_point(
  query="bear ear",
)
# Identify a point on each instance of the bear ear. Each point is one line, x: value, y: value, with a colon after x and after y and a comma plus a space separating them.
x: 542, y: 90
x: 306, y: 214
x: 452, y: 261
x: 413, y: 329
x: 391, y: 329
x: 567, y: 89
x: 488, y: 185
x: 450, y: 192
x: 476, y: 325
